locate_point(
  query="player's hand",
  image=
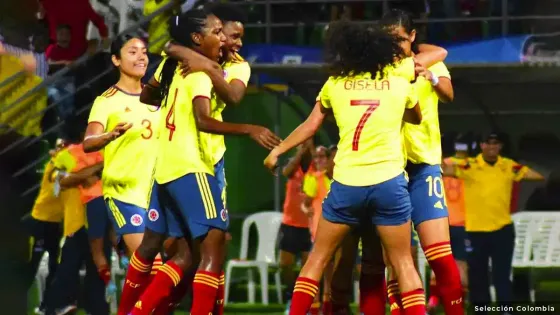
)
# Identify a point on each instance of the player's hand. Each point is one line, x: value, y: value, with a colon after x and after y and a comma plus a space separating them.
x: 264, y: 137
x: 271, y: 161
x: 119, y: 130
x: 422, y: 71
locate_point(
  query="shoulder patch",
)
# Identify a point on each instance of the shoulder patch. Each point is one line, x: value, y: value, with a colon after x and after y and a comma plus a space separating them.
x: 110, y: 92
x: 516, y: 168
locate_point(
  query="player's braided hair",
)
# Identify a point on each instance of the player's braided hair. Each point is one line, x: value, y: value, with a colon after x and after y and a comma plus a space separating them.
x: 228, y: 12
x: 181, y: 28
x: 353, y: 48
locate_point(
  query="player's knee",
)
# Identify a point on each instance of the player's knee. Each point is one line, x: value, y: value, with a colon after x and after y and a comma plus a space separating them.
x: 151, y: 244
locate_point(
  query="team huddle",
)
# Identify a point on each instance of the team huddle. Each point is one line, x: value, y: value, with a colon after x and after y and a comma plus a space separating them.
x: 160, y: 149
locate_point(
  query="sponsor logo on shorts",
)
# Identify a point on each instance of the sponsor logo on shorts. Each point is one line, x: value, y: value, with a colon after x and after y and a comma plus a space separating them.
x: 224, y: 215
x: 153, y: 215
x: 136, y: 220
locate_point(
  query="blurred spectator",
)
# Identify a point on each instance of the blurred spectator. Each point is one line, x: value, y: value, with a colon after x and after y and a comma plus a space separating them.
x: 34, y: 57
x: 76, y: 14
x: 111, y: 17
x: 59, y: 56
x: 158, y: 29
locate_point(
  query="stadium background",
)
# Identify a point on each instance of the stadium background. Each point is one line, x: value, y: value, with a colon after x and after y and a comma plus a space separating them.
x: 502, y: 82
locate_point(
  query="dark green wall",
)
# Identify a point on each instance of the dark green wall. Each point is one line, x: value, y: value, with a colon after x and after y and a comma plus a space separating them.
x: 250, y: 185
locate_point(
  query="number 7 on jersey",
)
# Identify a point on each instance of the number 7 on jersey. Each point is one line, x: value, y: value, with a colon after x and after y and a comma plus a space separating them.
x: 372, y: 106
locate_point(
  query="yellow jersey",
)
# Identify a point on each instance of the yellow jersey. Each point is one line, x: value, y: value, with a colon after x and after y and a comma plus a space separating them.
x: 369, y: 113
x: 237, y: 69
x: 488, y: 192
x: 74, y: 208
x: 423, y: 141
x: 129, y: 159
x: 183, y: 149
x: 48, y: 207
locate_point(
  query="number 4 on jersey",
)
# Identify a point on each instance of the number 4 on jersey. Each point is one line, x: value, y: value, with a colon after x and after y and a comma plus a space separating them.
x: 372, y: 106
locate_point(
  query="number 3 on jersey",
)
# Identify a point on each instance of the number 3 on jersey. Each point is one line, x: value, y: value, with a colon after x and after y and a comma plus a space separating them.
x: 372, y: 106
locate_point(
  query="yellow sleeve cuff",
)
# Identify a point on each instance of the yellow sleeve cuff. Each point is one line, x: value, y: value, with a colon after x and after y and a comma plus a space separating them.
x: 521, y: 174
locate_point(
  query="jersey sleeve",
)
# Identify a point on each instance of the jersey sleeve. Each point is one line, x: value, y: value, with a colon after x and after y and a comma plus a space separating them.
x: 239, y: 71
x: 157, y: 74
x: 411, y: 97
x: 405, y: 69
x: 99, y: 112
x: 199, y: 84
x: 324, y: 96
x: 440, y: 70
x: 518, y: 171
x: 310, y: 186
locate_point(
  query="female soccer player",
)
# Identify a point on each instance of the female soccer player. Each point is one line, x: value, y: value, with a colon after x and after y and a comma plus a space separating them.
x: 423, y: 149
x: 125, y: 130
x: 369, y: 102
x: 185, y: 171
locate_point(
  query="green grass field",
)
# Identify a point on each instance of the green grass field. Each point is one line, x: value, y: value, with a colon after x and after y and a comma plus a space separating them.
x: 546, y: 283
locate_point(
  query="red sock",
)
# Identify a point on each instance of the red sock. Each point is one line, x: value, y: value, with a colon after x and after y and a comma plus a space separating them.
x: 315, y: 307
x: 394, y: 297
x: 305, y: 290
x: 414, y: 302
x: 137, y: 279
x: 219, y: 307
x: 448, y: 278
x: 205, y: 288
x: 167, y: 277
x: 326, y: 309
x: 170, y: 303
x: 105, y: 274
x: 372, y: 294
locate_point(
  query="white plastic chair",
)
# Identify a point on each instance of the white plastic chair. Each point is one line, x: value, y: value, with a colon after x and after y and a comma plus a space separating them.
x: 268, y: 225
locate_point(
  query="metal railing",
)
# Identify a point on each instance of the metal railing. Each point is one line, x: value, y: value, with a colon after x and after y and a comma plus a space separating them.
x: 268, y: 24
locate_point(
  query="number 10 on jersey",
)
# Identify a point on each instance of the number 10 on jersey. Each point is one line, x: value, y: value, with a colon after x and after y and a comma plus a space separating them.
x: 372, y: 106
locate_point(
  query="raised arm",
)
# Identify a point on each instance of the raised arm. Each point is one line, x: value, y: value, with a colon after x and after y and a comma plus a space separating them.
x: 206, y: 123
x: 293, y: 164
x: 231, y: 93
x: 303, y: 132
x: 429, y: 55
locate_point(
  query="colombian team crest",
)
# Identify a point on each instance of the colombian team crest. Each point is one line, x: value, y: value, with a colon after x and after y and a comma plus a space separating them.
x: 153, y: 215
x: 224, y: 215
x: 136, y: 220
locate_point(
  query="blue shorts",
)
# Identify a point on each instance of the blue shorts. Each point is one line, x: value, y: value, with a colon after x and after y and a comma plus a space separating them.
x: 426, y: 192
x: 125, y: 217
x: 195, y: 201
x: 159, y: 217
x: 458, y: 236
x: 220, y: 174
x: 97, y: 218
x: 386, y: 203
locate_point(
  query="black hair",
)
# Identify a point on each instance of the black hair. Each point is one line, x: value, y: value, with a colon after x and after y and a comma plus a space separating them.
x: 63, y: 26
x: 118, y: 44
x: 353, y: 48
x: 228, y: 12
x: 397, y: 17
x: 180, y: 29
